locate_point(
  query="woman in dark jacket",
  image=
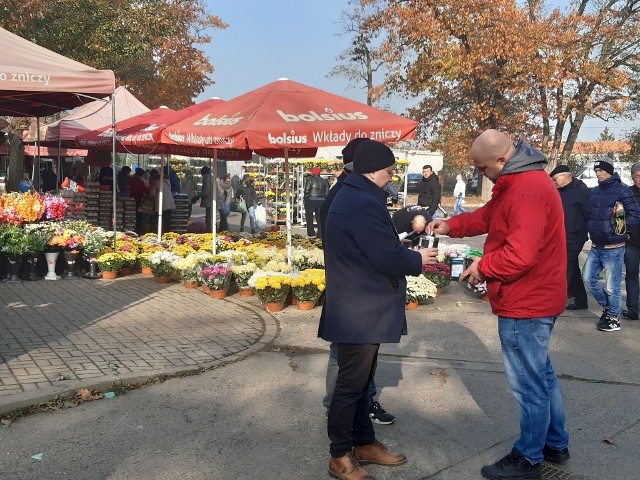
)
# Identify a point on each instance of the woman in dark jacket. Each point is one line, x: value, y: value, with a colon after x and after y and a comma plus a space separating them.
x: 247, y: 192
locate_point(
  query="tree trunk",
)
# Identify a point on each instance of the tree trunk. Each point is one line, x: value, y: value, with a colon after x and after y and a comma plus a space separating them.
x: 16, y: 161
x: 576, y: 124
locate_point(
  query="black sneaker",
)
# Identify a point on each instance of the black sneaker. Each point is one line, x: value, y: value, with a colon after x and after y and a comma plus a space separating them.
x: 611, y: 324
x: 629, y: 315
x: 556, y: 455
x: 603, y: 318
x: 575, y: 306
x: 378, y: 415
x: 514, y: 466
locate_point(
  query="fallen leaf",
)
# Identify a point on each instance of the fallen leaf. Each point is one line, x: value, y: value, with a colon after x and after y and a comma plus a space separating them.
x: 294, y: 364
x: 609, y: 440
x: 87, y: 396
x: 5, y: 423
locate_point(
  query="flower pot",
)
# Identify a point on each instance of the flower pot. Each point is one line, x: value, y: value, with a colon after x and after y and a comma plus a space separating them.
x: 273, y: 306
x: 206, y: 289
x: 51, y: 257
x: 14, y: 267
x: 438, y: 291
x: 163, y: 279
x: 484, y: 298
x: 190, y: 283
x: 70, y: 259
x: 305, y: 305
x: 109, y: 275
x: 412, y: 304
x: 247, y: 292
x: 124, y: 271
x: 218, y: 293
x: 147, y: 271
x: 92, y: 260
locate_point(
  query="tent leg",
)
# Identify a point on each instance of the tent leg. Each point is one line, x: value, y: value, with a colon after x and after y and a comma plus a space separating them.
x: 113, y: 167
x: 214, y: 199
x: 160, y: 197
x: 287, y: 189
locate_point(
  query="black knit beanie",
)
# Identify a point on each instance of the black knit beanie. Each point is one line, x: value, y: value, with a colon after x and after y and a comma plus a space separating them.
x: 602, y: 164
x: 371, y: 156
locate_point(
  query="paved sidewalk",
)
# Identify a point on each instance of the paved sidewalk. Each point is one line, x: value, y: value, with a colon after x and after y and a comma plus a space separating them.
x: 62, y: 335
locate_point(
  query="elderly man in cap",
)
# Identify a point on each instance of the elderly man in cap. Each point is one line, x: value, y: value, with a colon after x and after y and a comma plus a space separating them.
x: 576, y: 203
x: 632, y: 255
x: 614, y: 212
x: 366, y: 294
x: 377, y: 414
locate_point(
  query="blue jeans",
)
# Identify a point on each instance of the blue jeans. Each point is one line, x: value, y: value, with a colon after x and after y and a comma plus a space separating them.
x: 632, y: 267
x: 252, y: 219
x: 332, y: 376
x: 457, y: 209
x: 611, y: 260
x: 533, y: 382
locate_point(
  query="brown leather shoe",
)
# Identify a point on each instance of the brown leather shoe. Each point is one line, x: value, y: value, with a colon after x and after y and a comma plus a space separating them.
x: 377, y: 453
x: 346, y: 468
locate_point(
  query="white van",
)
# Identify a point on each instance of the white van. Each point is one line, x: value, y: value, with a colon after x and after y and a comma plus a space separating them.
x: 588, y: 175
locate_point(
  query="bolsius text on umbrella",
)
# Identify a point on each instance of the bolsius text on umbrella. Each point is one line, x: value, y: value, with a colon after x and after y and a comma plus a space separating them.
x: 312, y: 116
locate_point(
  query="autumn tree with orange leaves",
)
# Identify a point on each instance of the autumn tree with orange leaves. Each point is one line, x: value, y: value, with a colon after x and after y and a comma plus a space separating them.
x: 151, y: 45
x: 523, y: 67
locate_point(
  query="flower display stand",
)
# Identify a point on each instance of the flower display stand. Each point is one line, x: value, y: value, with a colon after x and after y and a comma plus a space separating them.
x: 218, y: 294
x: 302, y: 305
x: 32, y: 263
x: 92, y: 260
x: 14, y: 267
x: 51, y: 257
x: 411, y: 305
x: 70, y: 259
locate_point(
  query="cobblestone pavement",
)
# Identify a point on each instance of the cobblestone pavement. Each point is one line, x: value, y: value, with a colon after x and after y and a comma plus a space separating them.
x: 59, y: 335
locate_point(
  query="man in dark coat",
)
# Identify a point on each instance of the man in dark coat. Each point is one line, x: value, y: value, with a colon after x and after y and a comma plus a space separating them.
x: 429, y: 191
x: 614, y: 212
x: 632, y: 256
x: 366, y: 294
x: 411, y: 221
x: 576, y: 203
x: 377, y: 414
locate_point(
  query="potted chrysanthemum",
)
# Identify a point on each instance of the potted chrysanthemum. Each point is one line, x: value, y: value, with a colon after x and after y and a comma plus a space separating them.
x: 162, y: 265
x: 272, y: 288
x: 307, y: 288
x: 419, y: 289
x: 217, y: 277
x: 242, y: 274
x: 109, y: 264
x: 188, y: 268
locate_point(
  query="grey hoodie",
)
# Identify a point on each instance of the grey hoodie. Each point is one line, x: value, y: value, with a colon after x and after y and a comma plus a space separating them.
x: 524, y: 159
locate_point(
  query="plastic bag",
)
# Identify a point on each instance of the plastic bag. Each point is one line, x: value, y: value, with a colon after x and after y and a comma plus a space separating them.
x: 261, y: 217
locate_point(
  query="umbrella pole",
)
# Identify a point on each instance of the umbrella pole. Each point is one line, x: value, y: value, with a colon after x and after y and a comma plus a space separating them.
x: 59, y: 181
x: 160, y: 197
x: 113, y: 168
x: 37, y: 169
x: 287, y: 190
x: 214, y: 199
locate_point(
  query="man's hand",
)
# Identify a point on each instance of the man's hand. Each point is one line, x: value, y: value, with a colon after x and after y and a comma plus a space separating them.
x: 428, y: 255
x: 438, y: 226
x: 472, y: 273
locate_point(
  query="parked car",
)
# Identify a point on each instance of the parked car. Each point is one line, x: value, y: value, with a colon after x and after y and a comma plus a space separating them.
x: 412, y: 181
x: 588, y: 175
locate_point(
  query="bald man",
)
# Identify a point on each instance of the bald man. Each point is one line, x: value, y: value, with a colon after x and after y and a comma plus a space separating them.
x: 524, y: 265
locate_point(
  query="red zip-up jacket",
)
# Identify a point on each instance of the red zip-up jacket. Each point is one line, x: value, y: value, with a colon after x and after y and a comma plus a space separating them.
x: 525, y: 257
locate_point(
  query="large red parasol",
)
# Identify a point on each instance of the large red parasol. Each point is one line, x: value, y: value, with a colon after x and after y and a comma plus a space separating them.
x: 284, y: 115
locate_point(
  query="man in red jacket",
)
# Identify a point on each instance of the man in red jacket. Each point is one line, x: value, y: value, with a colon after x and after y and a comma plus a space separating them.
x: 524, y: 265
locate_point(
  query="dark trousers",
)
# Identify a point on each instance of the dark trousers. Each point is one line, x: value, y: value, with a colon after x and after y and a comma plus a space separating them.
x: 224, y: 225
x: 632, y: 268
x: 207, y: 219
x: 575, y: 285
x: 349, y: 423
x: 312, y: 209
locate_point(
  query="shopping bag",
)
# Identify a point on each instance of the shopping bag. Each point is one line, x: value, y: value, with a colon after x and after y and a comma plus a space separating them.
x: 261, y: 217
x: 225, y: 208
x: 239, y: 206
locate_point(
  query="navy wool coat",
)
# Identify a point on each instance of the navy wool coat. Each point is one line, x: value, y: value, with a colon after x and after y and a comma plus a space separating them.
x: 365, y: 266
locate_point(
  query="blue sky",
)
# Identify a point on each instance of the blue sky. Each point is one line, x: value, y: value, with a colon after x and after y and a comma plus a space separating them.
x: 296, y: 39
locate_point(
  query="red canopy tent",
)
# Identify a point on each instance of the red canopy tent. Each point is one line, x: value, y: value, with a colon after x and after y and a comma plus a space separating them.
x: 36, y: 82
x: 284, y: 115
x: 141, y: 134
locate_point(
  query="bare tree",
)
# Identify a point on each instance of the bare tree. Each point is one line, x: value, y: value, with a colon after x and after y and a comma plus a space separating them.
x: 362, y: 58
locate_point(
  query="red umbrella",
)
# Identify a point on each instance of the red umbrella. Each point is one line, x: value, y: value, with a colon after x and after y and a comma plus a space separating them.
x: 284, y: 115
